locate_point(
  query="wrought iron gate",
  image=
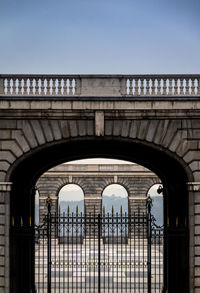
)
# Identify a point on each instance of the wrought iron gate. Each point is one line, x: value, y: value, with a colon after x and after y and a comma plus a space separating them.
x: 99, y: 253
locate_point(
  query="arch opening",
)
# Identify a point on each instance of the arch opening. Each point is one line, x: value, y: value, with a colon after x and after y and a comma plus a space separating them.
x: 171, y: 171
x: 115, y: 199
x: 71, y: 199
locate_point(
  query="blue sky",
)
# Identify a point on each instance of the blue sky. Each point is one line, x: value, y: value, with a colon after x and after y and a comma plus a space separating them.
x: 100, y: 36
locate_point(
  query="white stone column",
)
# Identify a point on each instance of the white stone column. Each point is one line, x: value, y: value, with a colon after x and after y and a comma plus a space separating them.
x: 194, y: 228
x: 5, y: 188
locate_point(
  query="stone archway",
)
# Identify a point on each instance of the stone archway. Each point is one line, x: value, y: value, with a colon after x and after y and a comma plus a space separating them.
x: 167, y: 167
x: 115, y: 199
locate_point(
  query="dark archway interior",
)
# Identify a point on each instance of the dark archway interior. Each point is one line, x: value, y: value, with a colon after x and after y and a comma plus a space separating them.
x: 171, y: 172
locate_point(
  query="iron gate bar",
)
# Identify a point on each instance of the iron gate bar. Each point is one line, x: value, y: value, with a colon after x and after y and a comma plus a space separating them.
x: 149, y: 244
x: 99, y: 253
x: 49, y: 247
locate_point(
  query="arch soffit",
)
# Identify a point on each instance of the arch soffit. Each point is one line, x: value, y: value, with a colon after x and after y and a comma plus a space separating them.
x: 165, y: 135
x: 74, y: 156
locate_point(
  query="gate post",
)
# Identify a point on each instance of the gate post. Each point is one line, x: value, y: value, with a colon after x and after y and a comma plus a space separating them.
x: 99, y: 253
x: 149, y: 203
x: 49, y: 245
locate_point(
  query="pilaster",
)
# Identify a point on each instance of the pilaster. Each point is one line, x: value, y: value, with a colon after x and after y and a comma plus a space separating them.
x: 93, y: 204
x: 194, y: 228
x: 5, y: 188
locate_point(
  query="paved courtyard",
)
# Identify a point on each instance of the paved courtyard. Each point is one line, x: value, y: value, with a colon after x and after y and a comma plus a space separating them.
x: 123, y: 268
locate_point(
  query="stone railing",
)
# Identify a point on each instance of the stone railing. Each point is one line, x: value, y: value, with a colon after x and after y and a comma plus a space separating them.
x: 99, y: 85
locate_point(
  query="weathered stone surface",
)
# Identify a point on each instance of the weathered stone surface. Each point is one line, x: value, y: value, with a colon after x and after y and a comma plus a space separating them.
x: 169, y: 124
x: 99, y: 123
x: 197, y: 209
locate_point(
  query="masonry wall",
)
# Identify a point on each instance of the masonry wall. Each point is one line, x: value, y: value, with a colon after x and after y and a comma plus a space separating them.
x: 170, y: 126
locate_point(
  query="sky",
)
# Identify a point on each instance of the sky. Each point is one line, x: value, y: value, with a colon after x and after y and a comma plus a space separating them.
x: 99, y: 36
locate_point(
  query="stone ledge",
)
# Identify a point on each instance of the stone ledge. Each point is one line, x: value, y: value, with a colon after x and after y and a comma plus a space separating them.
x: 193, y: 186
x: 5, y: 186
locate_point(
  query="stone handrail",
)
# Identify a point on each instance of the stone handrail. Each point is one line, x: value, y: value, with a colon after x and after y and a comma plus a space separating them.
x: 35, y: 85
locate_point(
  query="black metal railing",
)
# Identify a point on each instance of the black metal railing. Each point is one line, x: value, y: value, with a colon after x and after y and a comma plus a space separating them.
x: 99, y: 253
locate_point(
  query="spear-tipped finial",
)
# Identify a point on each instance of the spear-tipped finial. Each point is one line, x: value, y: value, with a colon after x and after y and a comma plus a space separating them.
x: 13, y: 221
x: 121, y: 210
x: 68, y: 210
x: 112, y: 210
x: 77, y: 209
x: 104, y: 210
x: 22, y: 223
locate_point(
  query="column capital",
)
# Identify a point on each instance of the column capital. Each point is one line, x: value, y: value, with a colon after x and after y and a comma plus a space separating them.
x: 193, y: 186
x: 5, y: 186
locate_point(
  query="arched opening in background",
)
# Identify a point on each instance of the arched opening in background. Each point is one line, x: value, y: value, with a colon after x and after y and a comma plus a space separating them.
x: 71, y: 199
x: 156, y: 194
x: 115, y: 199
x: 171, y: 170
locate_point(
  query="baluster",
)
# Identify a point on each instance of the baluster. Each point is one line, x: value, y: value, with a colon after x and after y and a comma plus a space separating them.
x: 130, y: 86
x: 31, y: 85
x: 70, y: 86
x: 2, y: 85
x: 164, y: 86
x: 159, y: 86
x: 9, y: 90
x: 136, y: 87
x: 187, y: 86
x: 25, y: 87
x: 148, y: 86
x: 181, y: 87
x: 42, y: 86
x: 74, y: 85
x: 192, y: 86
x: 142, y: 86
x: 65, y: 86
x: 78, y: 87
x: 48, y: 86
x: 175, y: 86
x: 14, y: 86
x: 59, y: 87
x: 53, y: 86
x: 170, y: 87
x: 198, y: 87
x: 153, y: 92
x: 19, y: 86
x: 36, y: 86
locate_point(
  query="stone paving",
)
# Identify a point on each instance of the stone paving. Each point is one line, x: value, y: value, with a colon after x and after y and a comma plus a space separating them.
x: 75, y: 268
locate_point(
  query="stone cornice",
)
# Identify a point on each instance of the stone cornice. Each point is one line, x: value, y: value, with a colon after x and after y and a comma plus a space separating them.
x: 112, y: 109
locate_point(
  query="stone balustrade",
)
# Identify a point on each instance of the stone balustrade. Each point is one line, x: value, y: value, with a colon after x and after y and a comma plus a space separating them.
x: 99, y: 85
